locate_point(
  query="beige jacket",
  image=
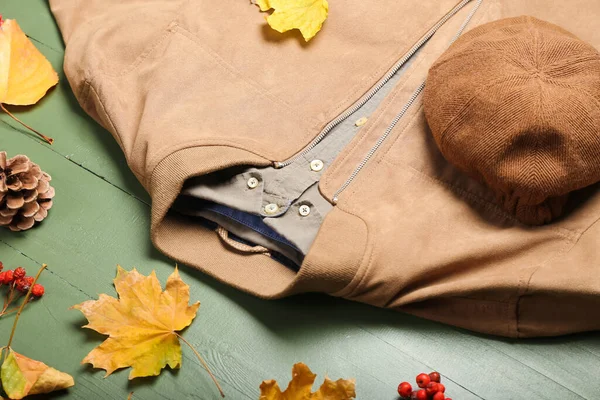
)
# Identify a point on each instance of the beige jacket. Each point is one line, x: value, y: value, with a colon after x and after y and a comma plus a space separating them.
x: 189, y: 87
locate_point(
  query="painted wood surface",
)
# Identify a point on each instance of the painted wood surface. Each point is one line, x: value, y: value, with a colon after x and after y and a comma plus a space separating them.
x: 101, y: 219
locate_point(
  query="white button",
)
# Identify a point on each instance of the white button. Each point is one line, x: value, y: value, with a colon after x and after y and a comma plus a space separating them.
x: 361, y: 121
x: 252, y: 183
x: 271, y: 208
x: 304, y: 210
x: 316, y: 165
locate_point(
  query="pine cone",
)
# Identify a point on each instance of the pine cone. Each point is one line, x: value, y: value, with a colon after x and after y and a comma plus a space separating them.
x: 25, y: 193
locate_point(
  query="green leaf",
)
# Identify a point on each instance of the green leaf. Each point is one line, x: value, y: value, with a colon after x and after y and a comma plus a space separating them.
x: 13, y: 380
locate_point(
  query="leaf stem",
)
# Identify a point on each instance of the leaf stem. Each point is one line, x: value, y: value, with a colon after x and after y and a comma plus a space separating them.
x: 203, y: 363
x: 46, y: 138
x: 12, y: 333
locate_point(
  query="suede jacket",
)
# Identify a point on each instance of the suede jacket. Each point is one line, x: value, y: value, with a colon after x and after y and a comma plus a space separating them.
x: 190, y: 88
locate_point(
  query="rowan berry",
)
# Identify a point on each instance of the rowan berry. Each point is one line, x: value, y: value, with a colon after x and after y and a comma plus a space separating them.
x: 435, y: 377
x: 441, y: 388
x: 432, y: 388
x: 20, y: 273
x: 439, y: 396
x: 404, y: 389
x: 37, y: 290
x: 423, y: 380
x: 20, y: 285
x: 422, y: 395
x: 24, y: 284
x: 8, y: 277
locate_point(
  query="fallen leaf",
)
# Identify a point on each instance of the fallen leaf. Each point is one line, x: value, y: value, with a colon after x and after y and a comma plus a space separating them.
x: 25, y: 74
x: 142, y: 324
x: 22, y: 376
x: 300, y: 387
x: 306, y: 15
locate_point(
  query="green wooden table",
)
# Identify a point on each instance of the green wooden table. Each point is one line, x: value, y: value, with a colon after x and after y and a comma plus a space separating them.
x: 101, y: 219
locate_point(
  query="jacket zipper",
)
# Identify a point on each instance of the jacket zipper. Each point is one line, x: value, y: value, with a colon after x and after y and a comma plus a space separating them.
x: 404, y: 109
x: 361, y: 102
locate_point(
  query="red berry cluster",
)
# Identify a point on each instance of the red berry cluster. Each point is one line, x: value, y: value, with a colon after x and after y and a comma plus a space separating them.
x: 431, y: 388
x: 18, y: 280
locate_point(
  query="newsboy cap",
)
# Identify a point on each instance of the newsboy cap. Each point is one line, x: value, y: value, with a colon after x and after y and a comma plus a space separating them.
x: 516, y: 104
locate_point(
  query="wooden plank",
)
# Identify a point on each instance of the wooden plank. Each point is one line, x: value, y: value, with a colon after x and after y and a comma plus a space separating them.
x: 567, y: 360
x: 51, y: 333
x: 476, y: 363
x: 35, y: 19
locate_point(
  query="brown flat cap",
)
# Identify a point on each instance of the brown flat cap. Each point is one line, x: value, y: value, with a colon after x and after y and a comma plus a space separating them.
x: 516, y: 104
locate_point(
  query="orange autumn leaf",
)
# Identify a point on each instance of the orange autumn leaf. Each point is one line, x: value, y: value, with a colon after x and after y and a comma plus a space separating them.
x: 25, y: 74
x: 300, y: 387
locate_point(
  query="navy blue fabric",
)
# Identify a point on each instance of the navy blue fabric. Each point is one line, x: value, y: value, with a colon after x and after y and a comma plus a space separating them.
x: 254, y: 222
x: 251, y: 221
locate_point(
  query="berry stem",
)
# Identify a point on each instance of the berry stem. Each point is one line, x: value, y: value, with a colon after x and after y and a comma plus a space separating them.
x: 49, y: 140
x: 12, y: 310
x: 203, y: 363
x: 6, y: 299
x: 9, y: 297
x: 27, y: 296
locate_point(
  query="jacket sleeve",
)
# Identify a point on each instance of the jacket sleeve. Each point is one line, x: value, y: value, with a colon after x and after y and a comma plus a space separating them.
x: 563, y: 296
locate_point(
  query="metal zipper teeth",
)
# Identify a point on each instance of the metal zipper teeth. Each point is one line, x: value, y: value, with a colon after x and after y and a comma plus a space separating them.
x: 399, y: 116
x: 374, y: 90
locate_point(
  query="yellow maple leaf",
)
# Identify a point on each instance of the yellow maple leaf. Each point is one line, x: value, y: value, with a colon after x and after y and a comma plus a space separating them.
x: 300, y: 387
x: 142, y: 324
x: 306, y: 15
x: 22, y: 376
x: 25, y: 74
